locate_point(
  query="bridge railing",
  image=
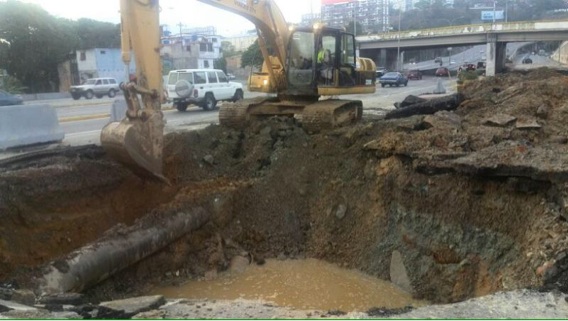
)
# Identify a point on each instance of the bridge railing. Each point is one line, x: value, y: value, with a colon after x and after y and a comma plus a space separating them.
x: 467, y: 29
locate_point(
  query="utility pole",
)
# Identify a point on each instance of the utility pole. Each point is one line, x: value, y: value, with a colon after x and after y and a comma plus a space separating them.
x: 398, y: 42
x: 182, y: 54
x: 494, y: 4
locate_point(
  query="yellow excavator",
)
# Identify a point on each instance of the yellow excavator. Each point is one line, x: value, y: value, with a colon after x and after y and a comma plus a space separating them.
x: 301, y: 64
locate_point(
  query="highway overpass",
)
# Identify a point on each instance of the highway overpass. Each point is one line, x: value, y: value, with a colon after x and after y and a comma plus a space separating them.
x: 383, y: 47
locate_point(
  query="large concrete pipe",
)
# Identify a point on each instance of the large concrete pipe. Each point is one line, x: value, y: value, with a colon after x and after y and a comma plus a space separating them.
x: 96, y: 262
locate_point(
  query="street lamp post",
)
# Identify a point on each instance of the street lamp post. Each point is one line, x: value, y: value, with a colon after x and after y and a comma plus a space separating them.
x: 494, y: 6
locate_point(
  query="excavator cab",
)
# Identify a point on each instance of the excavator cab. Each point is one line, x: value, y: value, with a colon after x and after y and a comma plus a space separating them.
x: 322, y: 61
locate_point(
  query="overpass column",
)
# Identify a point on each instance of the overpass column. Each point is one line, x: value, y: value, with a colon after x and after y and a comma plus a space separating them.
x: 382, y: 58
x: 495, y: 54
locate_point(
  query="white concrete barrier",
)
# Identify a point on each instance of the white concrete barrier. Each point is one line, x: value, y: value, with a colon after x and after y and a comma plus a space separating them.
x: 22, y: 125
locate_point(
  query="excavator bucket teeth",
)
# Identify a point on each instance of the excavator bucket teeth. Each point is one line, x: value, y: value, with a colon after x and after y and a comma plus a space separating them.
x: 136, y: 144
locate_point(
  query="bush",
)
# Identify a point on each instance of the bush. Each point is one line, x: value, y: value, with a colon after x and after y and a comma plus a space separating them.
x: 11, y: 85
x: 467, y: 75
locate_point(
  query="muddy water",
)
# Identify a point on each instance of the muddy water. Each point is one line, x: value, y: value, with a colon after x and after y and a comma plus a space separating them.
x: 300, y: 284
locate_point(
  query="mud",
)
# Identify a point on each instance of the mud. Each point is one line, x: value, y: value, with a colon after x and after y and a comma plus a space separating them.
x: 473, y: 200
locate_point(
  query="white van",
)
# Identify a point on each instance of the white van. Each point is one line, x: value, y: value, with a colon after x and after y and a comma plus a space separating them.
x: 201, y: 87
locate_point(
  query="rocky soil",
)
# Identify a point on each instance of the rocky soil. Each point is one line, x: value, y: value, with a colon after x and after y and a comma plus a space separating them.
x: 472, y: 200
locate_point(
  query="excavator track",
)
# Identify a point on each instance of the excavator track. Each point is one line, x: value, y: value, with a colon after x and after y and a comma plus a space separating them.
x: 327, y: 114
x: 234, y: 115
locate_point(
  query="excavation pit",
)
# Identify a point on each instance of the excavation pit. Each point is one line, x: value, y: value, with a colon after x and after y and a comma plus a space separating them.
x: 448, y: 206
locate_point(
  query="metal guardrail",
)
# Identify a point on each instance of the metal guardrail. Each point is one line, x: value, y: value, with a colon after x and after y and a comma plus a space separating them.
x: 469, y: 29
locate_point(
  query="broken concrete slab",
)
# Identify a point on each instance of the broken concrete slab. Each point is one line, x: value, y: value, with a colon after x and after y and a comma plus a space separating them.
x: 130, y: 307
x: 62, y: 298
x: 443, y: 119
x: 509, y: 159
x: 527, y: 124
x: 11, y: 305
x: 501, y: 120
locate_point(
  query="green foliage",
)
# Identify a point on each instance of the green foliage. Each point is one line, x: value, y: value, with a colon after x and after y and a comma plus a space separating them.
x: 96, y: 34
x: 35, y: 43
x: 252, y: 56
x: 436, y: 13
x: 220, y: 63
x: 11, y: 85
x: 468, y: 75
x: 228, y: 49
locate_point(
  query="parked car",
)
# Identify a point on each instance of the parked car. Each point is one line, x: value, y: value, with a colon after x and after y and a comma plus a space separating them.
x: 95, y: 87
x: 438, y: 60
x: 414, y: 74
x: 527, y: 60
x: 393, y: 79
x: 470, y: 67
x: 201, y: 87
x: 7, y: 99
x: 381, y: 71
x: 442, y: 72
x: 231, y: 76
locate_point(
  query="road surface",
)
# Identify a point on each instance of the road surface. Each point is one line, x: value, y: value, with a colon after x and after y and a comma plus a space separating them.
x: 82, y: 120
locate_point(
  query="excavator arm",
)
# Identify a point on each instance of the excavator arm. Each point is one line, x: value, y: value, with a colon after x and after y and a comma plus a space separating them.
x: 137, y: 141
x: 273, y: 35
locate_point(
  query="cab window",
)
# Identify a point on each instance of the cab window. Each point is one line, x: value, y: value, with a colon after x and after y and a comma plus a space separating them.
x: 105, y: 82
x: 199, y: 77
x: 177, y: 76
x: 303, y: 54
x: 212, y: 77
x: 348, y: 50
x: 222, y: 77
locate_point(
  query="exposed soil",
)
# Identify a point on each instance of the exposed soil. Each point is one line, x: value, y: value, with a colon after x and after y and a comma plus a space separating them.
x: 474, y: 203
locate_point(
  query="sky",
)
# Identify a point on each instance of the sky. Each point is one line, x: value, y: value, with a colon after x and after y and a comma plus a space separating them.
x: 190, y: 13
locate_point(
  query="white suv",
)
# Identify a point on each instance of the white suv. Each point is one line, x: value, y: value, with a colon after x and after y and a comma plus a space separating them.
x: 97, y: 87
x: 202, y: 87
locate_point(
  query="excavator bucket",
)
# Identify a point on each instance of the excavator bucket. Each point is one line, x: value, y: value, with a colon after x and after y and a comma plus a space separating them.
x: 137, y: 144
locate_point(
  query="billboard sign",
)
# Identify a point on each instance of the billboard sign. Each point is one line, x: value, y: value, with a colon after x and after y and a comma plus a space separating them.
x: 488, y: 15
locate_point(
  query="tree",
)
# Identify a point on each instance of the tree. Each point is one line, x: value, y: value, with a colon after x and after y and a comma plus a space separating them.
x: 220, y: 63
x: 38, y: 43
x: 96, y: 34
x: 34, y: 43
x: 252, y: 56
x: 228, y: 49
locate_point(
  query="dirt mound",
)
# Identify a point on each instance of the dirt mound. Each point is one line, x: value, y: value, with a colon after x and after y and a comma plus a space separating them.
x: 472, y: 199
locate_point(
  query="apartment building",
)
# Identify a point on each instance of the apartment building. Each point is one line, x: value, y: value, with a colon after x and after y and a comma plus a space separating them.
x: 373, y: 15
x: 192, y: 48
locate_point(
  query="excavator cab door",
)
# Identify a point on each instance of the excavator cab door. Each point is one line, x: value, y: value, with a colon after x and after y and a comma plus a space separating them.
x: 347, y: 60
x: 301, y: 63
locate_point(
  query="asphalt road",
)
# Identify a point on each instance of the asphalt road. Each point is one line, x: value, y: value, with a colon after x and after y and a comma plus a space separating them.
x: 82, y: 120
